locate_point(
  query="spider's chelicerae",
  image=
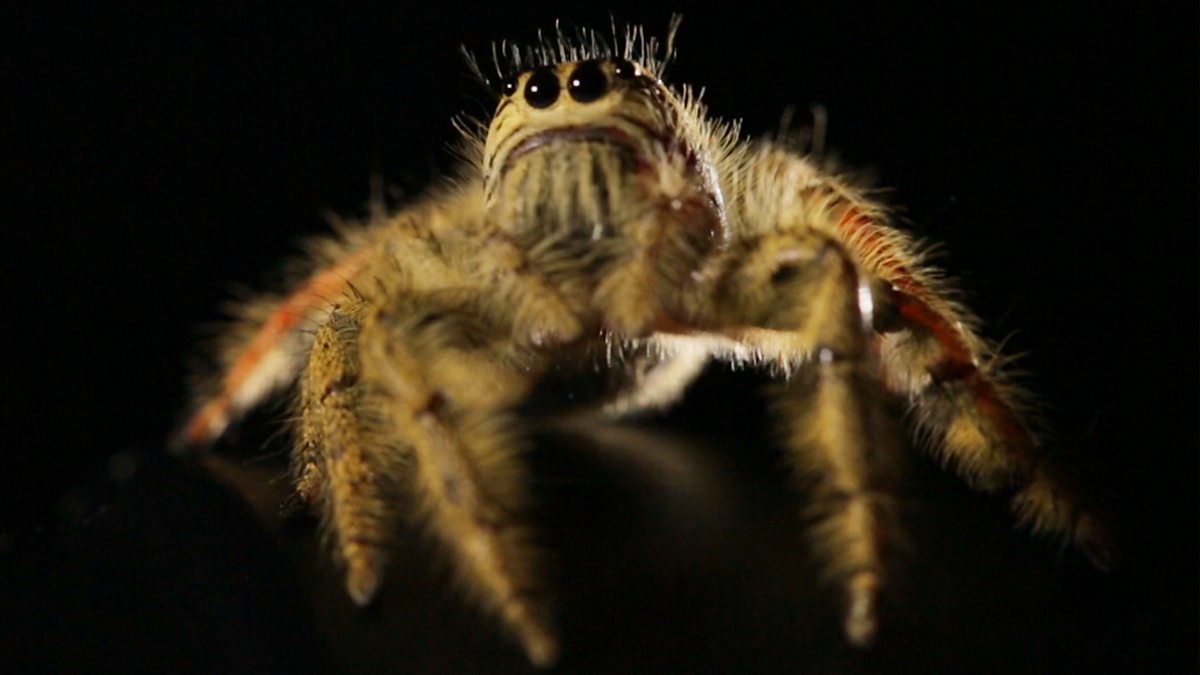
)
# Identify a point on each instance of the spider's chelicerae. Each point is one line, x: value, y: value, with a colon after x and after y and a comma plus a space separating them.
x: 602, y: 212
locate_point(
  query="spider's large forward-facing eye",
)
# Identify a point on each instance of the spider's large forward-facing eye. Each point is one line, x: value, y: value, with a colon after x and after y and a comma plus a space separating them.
x: 588, y: 82
x: 541, y: 89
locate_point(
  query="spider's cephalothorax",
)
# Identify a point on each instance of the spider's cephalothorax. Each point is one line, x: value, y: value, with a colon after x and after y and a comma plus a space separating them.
x: 604, y: 209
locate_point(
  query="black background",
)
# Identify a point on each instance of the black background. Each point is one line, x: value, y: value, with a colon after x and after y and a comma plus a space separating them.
x: 156, y: 157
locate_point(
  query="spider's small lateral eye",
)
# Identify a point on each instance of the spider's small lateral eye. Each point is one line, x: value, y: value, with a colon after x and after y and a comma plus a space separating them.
x: 541, y: 89
x: 508, y: 86
x: 625, y: 70
x: 587, y: 83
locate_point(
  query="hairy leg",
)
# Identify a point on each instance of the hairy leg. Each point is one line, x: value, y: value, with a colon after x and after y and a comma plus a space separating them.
x: 973, y: 415
x: 264, y: 350
x: 445, y: 385
x: 974, y: 420
x: 267, y: 348
x: 806, y: 290
x: 343, y: 463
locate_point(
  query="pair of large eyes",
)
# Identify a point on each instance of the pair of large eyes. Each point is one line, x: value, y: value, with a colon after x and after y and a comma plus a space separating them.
x: 586, y: 83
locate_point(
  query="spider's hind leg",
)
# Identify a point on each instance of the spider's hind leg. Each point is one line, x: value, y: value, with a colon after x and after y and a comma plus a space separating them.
x: 260, y: 353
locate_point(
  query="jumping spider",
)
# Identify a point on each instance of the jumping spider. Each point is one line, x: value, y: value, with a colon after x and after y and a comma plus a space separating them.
x: 601, y: 210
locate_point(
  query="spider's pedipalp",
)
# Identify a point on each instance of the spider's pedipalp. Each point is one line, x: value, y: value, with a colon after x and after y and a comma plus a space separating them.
x: 540, y: 310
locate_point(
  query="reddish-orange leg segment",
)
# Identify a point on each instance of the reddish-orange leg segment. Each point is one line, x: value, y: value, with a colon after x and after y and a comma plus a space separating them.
x: 958, y: 359
x: 971, y: 412
x: 271, y: 358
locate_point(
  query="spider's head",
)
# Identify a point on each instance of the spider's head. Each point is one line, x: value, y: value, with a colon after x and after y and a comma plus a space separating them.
x: 600, y: 121
x: 584, y: 142
x: 613, y: 102
x: 587, y: 138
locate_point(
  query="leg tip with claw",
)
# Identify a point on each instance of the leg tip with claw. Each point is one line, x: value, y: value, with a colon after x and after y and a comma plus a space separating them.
x: 541, y: 647
x: 1096, y: 543
x: 364, y: 573
x: 861, y: 623
x: 537, y: 637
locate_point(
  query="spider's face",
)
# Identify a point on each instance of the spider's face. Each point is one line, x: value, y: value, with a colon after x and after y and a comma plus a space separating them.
x: 569, y: 142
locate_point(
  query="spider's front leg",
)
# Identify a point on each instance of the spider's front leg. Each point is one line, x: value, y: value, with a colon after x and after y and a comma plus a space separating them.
x: 341, y: 459
x: 964, y: 403
x: 422, y: 381
x: 805, y: 299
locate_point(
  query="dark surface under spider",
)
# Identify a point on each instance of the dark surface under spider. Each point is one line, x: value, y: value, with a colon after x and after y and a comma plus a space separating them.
x: 601, y: 212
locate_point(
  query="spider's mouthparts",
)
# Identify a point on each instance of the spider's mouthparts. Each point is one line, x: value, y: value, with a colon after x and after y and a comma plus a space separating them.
x: 604, y: 134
